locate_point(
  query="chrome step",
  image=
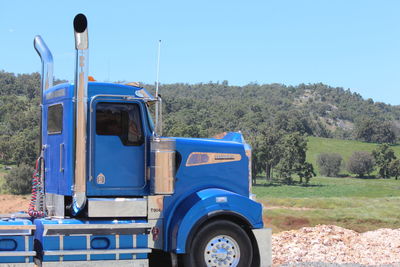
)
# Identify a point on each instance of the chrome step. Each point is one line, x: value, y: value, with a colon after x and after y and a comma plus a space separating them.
x: 117, y: 207
x: 96, y: 229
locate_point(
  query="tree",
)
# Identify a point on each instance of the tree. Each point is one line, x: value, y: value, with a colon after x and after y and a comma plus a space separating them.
x: 306, y: 171
x: 292, y: 159
x: 18, y: 181
x: 329, y: 164
x: 361, y: 163
x: 383, y: 156
x: 267, y: 150
x: 394, y: 168
x: 375, y: 130
x: 274, y: 149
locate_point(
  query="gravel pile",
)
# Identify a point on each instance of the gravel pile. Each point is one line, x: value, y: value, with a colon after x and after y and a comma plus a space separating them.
x: 336, y: 245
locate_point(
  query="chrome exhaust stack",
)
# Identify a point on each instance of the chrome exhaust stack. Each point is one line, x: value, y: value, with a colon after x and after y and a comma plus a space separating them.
x: 47, y: 63
x: 81, y: 88
x: 47, y: 72
x: 46, y: 82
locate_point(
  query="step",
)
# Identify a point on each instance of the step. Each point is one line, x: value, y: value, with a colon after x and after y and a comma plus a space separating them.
x: 117, y: 207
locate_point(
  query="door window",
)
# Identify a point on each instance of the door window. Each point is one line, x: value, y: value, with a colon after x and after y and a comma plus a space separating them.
x: 122, y: 120
x: 54, y: 119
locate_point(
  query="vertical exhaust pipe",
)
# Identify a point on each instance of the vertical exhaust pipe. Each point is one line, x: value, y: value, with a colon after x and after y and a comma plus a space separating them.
x: 81, y: 88
x: 47, y: 63
x: 46, y: 82
x: 47, y: 72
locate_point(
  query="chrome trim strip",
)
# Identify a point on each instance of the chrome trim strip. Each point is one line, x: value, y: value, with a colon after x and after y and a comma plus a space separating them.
x: 97, y: 229
x: 96, y: 226
x: 26, y: 247
x: 117, y: 246
x: 61, y: 246
x: 97, y: 263
x: 17, y: 227
x: 96, y: 252
x: 134, y: 237
x: 88, y: 246
x: 211, y: 158
x: 17, y: 253
x: 61, y: 157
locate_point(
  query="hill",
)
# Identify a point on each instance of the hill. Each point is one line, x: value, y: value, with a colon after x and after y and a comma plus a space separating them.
x: 203, y: 110
x: 320, y: 110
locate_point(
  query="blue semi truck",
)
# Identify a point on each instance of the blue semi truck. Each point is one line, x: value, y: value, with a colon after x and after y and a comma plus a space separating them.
x: 110, y: 189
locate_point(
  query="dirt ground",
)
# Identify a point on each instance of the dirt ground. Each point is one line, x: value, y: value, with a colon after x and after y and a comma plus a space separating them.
x: 322, y: 244
x: 12, y: 203
x: 336, y: 245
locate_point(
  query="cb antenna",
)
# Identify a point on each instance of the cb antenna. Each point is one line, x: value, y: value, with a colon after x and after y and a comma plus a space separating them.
x: 158, y: 115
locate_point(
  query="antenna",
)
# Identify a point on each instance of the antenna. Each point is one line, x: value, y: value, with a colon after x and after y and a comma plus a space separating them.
x: 157, y: 111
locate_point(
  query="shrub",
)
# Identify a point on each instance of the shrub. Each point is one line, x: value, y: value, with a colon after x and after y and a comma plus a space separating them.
x: 361, y: 163
x: 329, y: 164
x: 18, y: 180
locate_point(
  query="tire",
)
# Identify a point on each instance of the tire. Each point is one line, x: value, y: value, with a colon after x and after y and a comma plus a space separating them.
x: 219, y: 243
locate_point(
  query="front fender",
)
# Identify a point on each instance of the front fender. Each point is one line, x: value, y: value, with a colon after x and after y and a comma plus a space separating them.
x: 200, y: 205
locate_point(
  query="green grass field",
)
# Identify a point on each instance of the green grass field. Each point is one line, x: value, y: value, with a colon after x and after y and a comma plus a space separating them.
x: 353, y: 203
x: 318, y: 145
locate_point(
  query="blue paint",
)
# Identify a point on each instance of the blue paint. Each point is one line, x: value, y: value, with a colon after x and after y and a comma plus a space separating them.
x: 59, y: 172
x: 200, y: 205
x: 232, y: 177
x: 78, y: 242
x: 100, y: 242
x: 60, y: 181
x: 122, y: 166
x: 15, y: 242
x: 196, y: 187
x: 8, y: 244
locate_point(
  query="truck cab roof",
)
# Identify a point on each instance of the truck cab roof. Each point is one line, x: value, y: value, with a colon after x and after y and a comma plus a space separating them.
x: 66, y: 90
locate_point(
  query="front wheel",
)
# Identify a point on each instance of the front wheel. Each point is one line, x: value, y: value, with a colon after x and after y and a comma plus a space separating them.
x: 220, y: 243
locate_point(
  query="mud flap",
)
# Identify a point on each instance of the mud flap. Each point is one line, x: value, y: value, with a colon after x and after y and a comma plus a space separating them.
x: 264, y: 243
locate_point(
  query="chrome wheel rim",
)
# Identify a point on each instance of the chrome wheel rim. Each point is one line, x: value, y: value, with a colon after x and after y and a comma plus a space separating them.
x: 222, y: 251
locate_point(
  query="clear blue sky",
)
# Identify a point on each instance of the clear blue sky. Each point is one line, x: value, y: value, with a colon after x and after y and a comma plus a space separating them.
x: 350, y: 43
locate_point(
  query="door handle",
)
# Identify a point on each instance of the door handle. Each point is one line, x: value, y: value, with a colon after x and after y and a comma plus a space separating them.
x: 61, y: 157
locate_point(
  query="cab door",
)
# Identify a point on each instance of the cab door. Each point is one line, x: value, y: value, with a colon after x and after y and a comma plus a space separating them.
x: 53, y: 140
x: 117, y: 149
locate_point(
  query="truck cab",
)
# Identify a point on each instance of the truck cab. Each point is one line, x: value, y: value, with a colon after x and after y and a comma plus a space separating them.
x: 118, y: 134
x: 112, y: 189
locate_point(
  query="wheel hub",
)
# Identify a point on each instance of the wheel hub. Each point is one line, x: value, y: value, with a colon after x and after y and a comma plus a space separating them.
x: 222, y: 251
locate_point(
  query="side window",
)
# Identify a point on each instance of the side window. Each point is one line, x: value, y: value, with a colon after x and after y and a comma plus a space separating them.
x: 55, y: 119
x: 120, y: 119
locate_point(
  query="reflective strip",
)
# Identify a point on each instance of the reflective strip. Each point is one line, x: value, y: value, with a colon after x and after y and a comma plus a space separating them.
x: 87, y: 247
x: 134, y: 245
x: 61, y: 246
x: 117, y: 246
x: 26, y: 248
